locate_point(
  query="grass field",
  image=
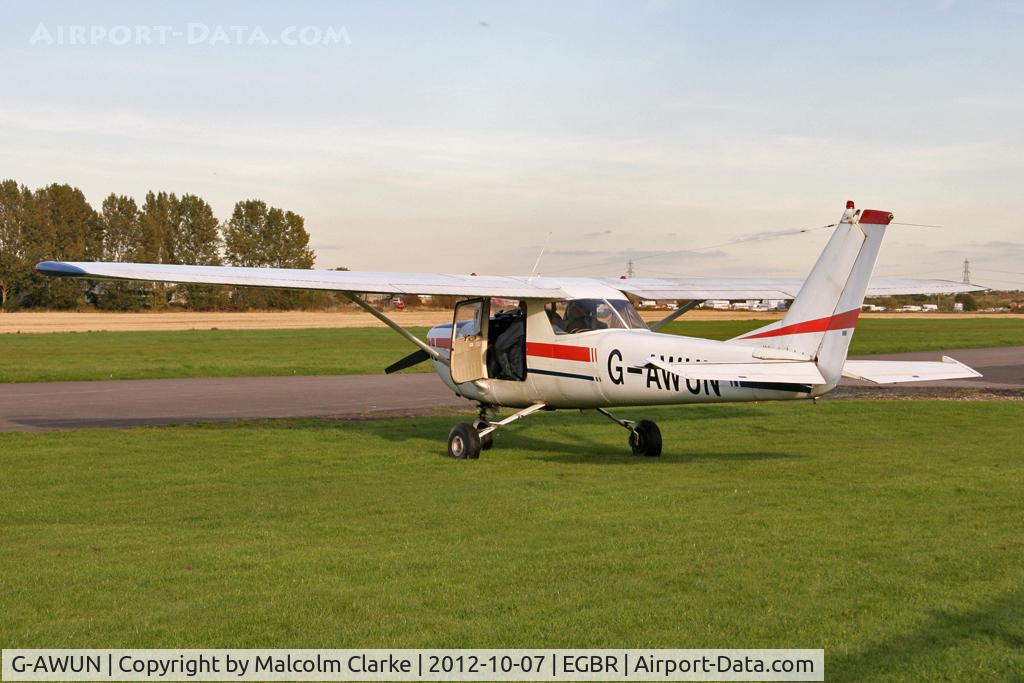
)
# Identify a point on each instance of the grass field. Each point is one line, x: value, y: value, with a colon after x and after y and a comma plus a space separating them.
x: 239, y: 353
x: 863, y: 528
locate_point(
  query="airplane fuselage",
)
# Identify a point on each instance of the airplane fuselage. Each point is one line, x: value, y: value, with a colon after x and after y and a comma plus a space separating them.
x: 605, y: 368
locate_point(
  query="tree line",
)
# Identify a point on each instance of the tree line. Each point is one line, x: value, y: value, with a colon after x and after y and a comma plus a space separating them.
x: 57, y: 223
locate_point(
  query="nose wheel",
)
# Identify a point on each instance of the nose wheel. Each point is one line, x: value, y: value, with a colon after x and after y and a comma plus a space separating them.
x: 466, y: 440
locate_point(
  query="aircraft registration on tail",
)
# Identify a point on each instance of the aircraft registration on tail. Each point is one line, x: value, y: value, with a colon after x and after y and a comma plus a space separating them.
x: 553, y: 343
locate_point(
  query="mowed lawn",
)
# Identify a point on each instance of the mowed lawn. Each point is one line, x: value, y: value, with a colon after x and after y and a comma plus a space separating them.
x: 241, y: 353
x: 889, y: 533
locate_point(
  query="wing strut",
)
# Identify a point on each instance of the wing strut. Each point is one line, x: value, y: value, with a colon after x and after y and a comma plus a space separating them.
x: 690, y: 305
x: 425, y: 347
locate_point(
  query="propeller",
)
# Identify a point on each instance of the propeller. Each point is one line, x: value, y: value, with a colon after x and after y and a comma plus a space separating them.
x: 414, y: 358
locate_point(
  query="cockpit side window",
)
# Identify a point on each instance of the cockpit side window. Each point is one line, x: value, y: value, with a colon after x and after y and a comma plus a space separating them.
x: 584, y: 315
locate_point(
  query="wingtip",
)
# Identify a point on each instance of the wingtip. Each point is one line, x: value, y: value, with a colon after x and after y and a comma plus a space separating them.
x: 59, y: 269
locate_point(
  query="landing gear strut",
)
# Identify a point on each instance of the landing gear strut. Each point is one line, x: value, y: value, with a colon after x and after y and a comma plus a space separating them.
x: 483, y: 421
x: 644, y: 435
x: 465, y: 441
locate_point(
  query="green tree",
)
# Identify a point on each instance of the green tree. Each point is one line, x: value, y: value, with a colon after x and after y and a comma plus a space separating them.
x: 60, y: 225
x: 294, y: 251
x: 197, y: 241
x: 970, y: 303
x: 15, y: 269
x: 262, y: 236
x: 121, y: 226
x: 159, y: 222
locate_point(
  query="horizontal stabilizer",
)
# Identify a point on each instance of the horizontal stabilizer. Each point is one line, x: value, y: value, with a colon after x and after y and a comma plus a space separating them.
x: 776, y: 371
x: 895, y: 371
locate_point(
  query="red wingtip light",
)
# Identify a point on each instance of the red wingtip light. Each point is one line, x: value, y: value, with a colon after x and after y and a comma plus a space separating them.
x: 622, y: 277
x: 472, y: 274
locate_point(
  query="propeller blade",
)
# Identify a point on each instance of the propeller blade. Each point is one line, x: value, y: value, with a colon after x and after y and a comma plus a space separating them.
x: 414, y: 358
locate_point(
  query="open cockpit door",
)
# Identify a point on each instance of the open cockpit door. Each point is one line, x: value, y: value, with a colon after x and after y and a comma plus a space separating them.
x: 469, y: 341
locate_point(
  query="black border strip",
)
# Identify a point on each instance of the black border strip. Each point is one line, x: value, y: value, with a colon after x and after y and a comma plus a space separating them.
x: 556, y: 373
x: 777, y: 386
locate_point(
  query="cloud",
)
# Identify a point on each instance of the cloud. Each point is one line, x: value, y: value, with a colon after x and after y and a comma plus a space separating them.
x: 404, y: 190
x: 328, y: 143
x: 639, y: 254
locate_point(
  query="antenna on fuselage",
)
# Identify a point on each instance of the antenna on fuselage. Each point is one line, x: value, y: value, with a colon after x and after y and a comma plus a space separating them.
x: 536, y: 265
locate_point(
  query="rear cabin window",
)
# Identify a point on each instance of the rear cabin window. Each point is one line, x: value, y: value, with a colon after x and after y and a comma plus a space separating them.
x: 584, y: 315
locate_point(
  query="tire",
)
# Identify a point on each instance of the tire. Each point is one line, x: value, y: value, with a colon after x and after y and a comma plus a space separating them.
x: 645, y: 439
x: 464, y: 442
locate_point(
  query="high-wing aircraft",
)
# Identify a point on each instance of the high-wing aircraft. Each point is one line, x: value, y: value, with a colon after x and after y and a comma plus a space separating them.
x: 551, y: 343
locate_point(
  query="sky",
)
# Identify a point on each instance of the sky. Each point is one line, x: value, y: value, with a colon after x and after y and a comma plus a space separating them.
x: 468, y: 136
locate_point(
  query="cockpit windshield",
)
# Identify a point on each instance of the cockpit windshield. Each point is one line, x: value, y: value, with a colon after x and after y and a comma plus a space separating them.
x: 584, y: 315
x: 628, y: 314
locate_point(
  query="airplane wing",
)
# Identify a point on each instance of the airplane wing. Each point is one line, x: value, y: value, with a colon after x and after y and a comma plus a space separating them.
x: 895, y: 371
x: 776, y: 371
x: 512, y: 287
x: 771, y: 288
x: 294, y: 278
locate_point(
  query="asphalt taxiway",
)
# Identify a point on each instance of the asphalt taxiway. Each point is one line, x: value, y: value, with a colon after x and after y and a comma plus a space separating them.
x: 127, y: 403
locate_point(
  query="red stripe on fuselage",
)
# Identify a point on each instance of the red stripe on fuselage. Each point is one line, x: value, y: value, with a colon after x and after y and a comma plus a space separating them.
x: 558, y: 351
x: 537, y: 349
x: 840, y: 321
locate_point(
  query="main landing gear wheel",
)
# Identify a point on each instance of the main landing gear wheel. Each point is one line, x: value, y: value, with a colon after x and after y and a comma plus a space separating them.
x: 645, y: 439
x: 464, y: 442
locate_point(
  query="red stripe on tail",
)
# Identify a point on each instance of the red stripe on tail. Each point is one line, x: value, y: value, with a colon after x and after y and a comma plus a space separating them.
x: 840, y: 321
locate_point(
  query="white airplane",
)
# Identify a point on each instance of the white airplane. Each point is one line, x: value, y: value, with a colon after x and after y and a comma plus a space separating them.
x: 578, y: 343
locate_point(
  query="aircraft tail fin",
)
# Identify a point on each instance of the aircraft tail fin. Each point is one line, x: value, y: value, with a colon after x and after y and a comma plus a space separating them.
x: 819, y: 325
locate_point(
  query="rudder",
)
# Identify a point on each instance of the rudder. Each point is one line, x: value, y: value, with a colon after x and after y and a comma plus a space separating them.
x: 819, y: 325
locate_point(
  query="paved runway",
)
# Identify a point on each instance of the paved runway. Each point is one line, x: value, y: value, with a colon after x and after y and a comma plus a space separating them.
x: 129, y: 403
x: 1001, y: 368
x: 126, y: 403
